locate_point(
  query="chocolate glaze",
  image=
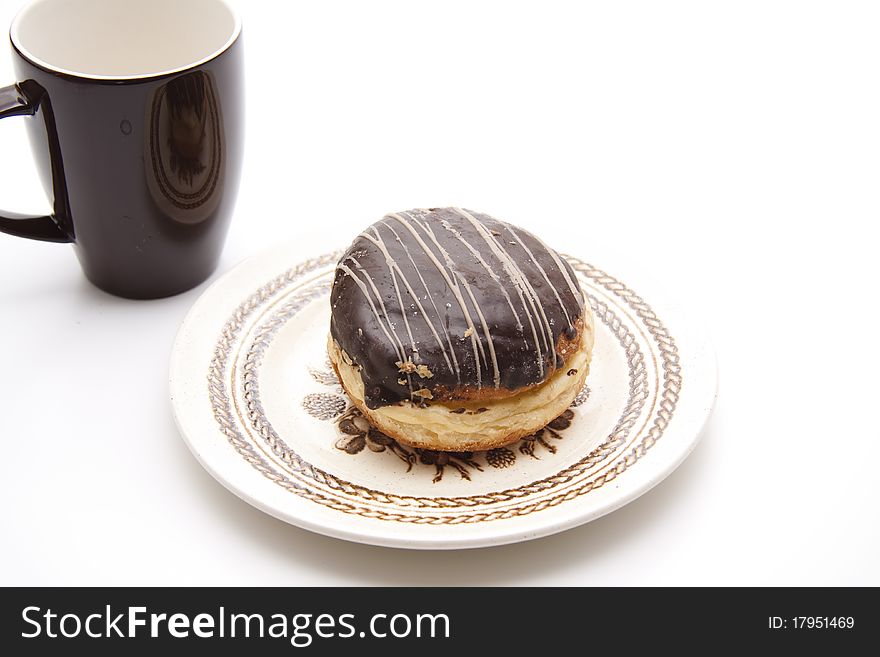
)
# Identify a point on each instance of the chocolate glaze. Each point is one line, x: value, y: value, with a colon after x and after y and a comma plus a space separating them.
x: 433, y: 302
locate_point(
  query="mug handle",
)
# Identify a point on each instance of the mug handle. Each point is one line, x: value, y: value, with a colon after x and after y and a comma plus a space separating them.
x: 14, y: 101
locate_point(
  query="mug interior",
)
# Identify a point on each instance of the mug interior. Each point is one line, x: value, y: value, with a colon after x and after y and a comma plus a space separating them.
x: 123, y: 39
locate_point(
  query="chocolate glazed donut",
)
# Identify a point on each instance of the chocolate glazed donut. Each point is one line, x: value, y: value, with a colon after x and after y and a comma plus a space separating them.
x: 447, y: 304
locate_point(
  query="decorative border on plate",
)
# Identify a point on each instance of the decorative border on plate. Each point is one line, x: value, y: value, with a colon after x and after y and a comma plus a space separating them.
x: 263, y: 336
x: 225, y: 416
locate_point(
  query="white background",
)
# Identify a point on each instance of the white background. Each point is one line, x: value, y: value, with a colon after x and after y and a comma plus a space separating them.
x: 730, y: 149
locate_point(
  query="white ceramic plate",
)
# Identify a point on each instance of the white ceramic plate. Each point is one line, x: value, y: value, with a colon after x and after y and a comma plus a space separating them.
x: 256, y: 402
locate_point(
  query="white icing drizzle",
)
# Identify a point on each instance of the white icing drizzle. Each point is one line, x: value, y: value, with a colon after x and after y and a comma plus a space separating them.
x: 543, y: 273
x: 404, y: 314
x: 578, y: 297
x: 453, y: 269
x: 486, y: 331
x: 504, y: 265
x: 392, y: 336
x: 450, y: 263
x: 452, y: 286
x: 489, y: 270
x: 454, y: 366
x: 522, y: 284
x: 394, y: 267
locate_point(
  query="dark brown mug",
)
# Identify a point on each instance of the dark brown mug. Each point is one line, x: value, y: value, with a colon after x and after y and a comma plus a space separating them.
x: 135, y: 115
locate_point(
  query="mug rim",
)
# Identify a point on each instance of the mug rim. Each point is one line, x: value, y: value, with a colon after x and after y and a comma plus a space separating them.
x: 28, y: 56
